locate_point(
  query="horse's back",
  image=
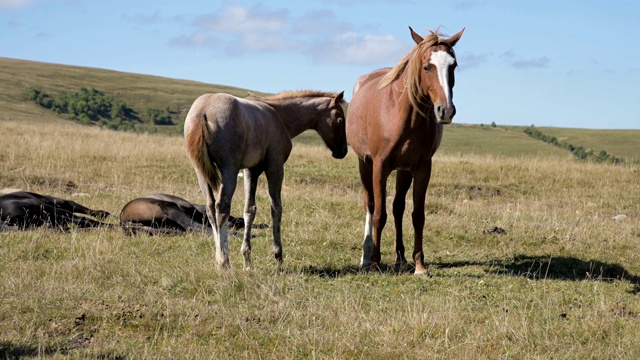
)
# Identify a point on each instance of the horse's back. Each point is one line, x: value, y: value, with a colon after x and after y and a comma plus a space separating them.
x: 240, y: 131
x: 215, y: 108
x: 372, y: 78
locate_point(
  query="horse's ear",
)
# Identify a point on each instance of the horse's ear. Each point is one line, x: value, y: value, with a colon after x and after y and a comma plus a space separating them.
x: 454, y: 39
x: 417, y: 38
x: 338, y: 99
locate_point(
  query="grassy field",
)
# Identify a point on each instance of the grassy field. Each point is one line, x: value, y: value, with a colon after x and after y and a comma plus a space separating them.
x: 560, y: 282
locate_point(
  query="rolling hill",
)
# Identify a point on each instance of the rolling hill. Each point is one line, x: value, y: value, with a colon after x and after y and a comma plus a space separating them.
x: 142, y: 91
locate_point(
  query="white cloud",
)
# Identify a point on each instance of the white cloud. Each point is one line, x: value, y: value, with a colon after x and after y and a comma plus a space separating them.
x: 532, y: 63
x: 518, y: 62
x: 261, y: 43
x: 471, y: 60
x: 198, y: 39
x: 13, y: 4
x: 352, y: 48
x: 320, y: 35
x: 240, y: 19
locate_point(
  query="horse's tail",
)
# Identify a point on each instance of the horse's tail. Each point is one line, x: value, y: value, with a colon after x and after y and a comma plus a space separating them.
x: 197, y: 147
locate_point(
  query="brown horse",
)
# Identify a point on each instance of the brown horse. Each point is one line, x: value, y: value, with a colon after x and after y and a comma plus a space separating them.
x: 22, y: 210
x: 162, y: 214
x: 225, y: 134
x: 165, y: 214
x: 395, y: 123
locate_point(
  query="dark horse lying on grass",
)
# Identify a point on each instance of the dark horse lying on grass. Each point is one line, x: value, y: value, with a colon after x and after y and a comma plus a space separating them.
x: 22, y: 210
x: 164, y: 214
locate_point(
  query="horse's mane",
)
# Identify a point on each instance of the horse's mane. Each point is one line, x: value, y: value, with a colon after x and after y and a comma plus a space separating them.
x: 286, y: 95
x: 411, y: 66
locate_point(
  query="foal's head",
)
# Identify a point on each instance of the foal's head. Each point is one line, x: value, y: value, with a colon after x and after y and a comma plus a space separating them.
x: 331, y: 127
x: 438, y: 62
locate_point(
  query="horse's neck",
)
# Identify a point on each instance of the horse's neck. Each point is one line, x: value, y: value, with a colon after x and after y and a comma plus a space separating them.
x: 401, y: 94
x: 298, y: 114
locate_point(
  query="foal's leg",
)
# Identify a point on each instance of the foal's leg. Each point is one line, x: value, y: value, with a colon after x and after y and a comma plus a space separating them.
x: 366, y: 178
x: 275, y: 175
x: 403, y: 183
x: 210, y: 207
x: 250, y: 186
x: 211, y: 215
x: 229, y: 179
x: 419, y: 195
x: 74, y: 207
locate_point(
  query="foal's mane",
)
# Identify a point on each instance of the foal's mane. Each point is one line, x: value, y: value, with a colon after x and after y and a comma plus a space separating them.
x: 287, y: 95
x: 411, y: 66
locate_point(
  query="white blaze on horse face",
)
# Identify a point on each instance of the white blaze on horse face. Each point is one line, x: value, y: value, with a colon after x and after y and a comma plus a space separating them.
x: 442, y: 60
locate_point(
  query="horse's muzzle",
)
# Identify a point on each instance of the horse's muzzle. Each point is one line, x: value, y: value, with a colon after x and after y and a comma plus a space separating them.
x: 340, y: 153
x: 445, y: 114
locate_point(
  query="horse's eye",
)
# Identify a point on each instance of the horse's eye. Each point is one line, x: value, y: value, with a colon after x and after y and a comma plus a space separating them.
x: 426, y: 68
x: 340, y: 120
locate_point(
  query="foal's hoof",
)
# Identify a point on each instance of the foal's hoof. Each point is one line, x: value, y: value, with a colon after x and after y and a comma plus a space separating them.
x: 223, y: 265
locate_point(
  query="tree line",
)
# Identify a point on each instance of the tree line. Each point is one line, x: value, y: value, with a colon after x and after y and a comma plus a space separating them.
x: 578, y: 151
x: 91, y: 106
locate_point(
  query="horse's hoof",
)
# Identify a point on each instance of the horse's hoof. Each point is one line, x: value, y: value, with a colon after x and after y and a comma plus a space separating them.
x: 421, y: 271
x: 371, y: 267
x: 223, y: 265
x: 402, y: 266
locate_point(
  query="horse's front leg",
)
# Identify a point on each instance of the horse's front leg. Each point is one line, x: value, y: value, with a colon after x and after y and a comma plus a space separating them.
x: 366, y: 178
x: 419, y: 195
x: 275, y: 176
x: 380, y: 176
x: 250, y: 186
x: 403, y: 183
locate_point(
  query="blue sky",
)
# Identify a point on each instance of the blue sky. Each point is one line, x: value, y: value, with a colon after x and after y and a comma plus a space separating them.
x: 548, y: 63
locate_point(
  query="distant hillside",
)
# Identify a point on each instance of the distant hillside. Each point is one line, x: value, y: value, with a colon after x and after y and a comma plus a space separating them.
x: 138, y: 91
x: 144, y: 91
x: 621, y: 143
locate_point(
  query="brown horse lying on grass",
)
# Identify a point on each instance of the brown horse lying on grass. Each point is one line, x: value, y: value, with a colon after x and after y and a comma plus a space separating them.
x: 164, y: 214
x: 22, y: 210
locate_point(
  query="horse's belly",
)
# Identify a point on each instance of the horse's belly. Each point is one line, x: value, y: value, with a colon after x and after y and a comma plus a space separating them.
x: 252, y: 158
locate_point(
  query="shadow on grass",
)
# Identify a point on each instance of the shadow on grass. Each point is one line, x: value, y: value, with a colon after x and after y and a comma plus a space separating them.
x: 9, y: 350
x: 15, y: 351
x: 531, y: 267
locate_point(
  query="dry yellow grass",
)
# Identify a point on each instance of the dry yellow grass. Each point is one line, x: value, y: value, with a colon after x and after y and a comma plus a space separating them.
x: 560, y: 283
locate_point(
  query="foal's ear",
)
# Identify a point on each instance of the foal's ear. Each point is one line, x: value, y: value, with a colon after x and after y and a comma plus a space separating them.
x: 454, y: 39
x: 338, y: 99
x: 417, y: 38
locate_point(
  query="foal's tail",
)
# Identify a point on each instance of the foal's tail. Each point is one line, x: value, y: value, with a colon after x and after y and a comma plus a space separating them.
x: 197, y: 147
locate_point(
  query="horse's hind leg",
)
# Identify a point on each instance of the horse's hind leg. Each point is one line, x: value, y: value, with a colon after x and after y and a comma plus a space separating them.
x: 366, y: 177
x: 403, y: 183
x: 222, y: 212
x: 250, y: 186
x: 275, y: 175
x: 74, y: 207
